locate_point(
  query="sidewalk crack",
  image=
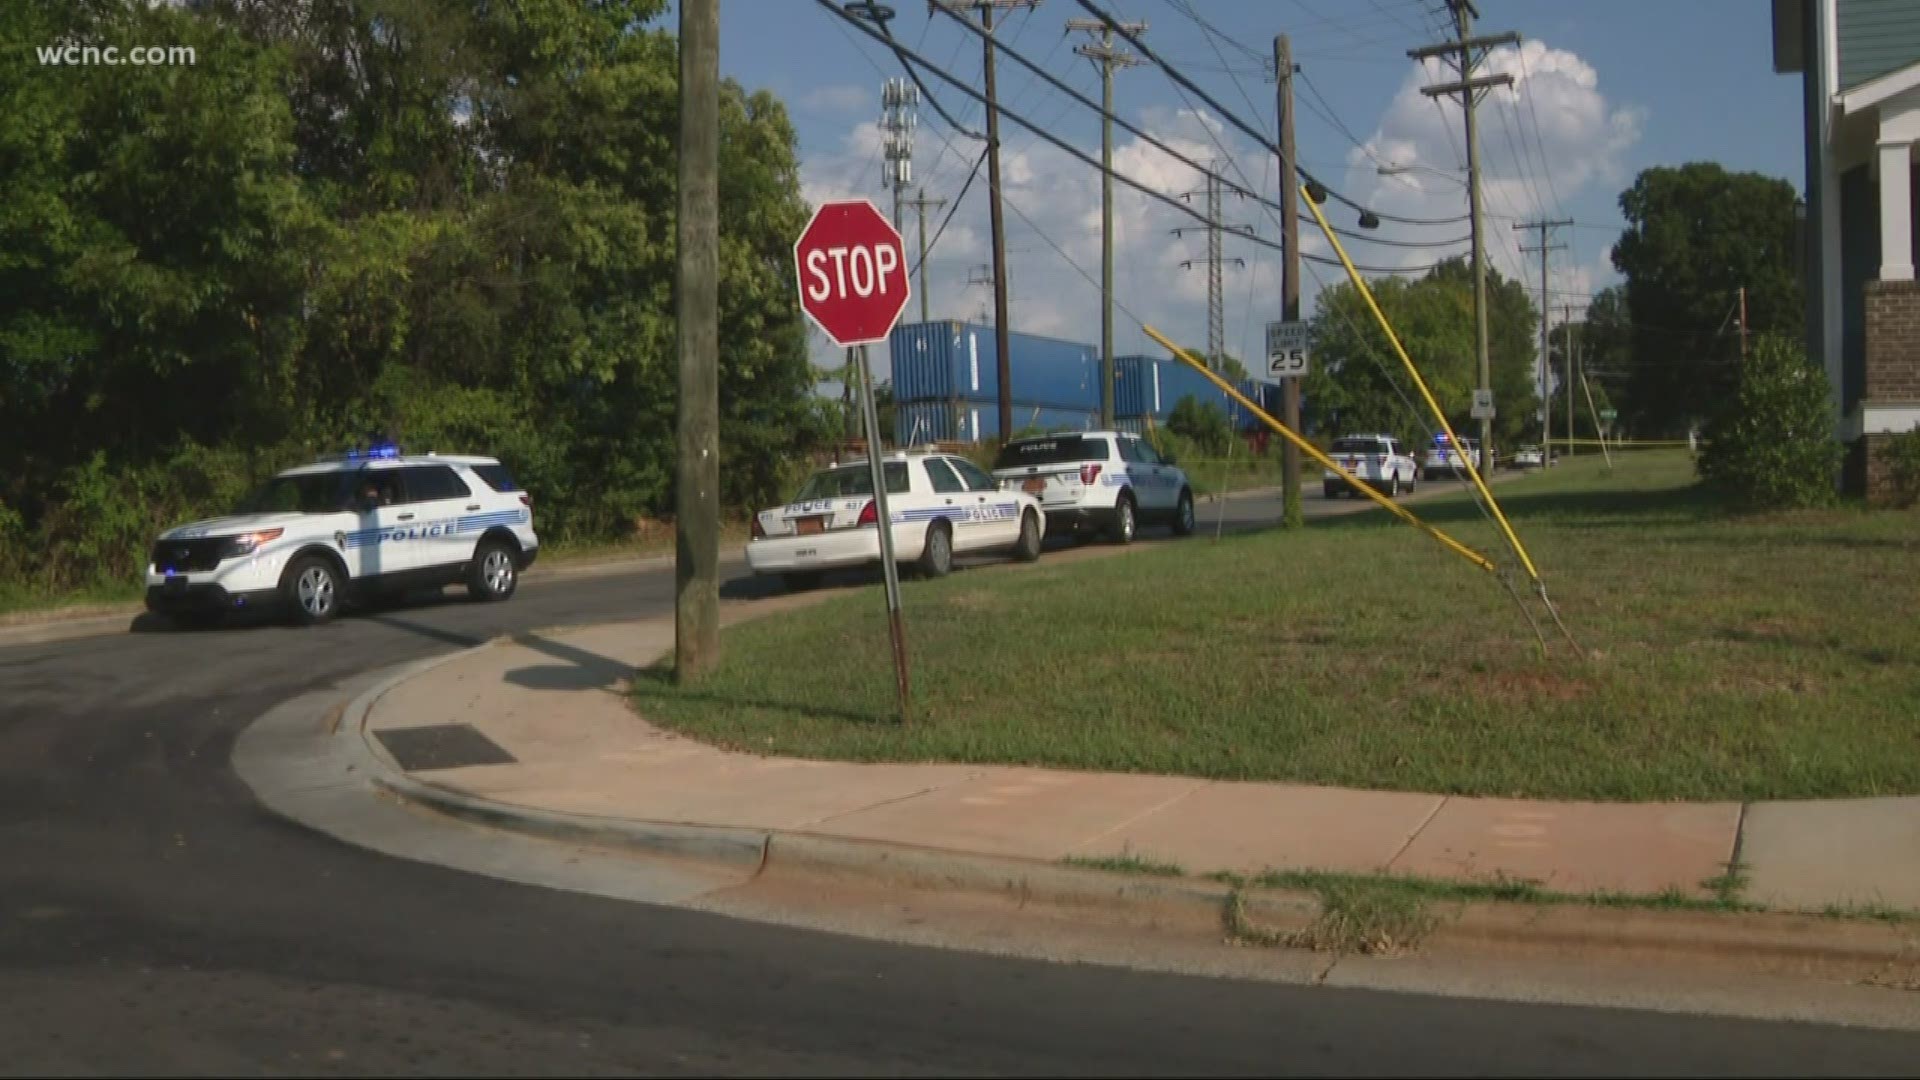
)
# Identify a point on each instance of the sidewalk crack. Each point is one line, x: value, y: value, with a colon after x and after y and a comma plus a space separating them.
x: 1418, y: 829
x: 1142, y: 815
x: 883, y: 802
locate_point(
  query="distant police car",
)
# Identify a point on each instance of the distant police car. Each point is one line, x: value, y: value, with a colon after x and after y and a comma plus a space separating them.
x: 941, y: 505
x: 1377, y: 459
x: 363, y: 523
x: 1094, y: 480
x: 1444, y: 459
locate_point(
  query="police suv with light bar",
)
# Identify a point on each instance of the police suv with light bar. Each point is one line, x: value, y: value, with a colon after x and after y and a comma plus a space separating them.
x: 364, y: 523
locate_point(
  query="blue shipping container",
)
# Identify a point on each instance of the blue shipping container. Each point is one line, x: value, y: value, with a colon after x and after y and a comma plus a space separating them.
x: 974, y: 419
x: 949, y: 361
x: 1147, y: 386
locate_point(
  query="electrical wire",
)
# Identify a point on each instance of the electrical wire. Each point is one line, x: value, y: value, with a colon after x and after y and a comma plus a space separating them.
x: 912, y: 57
x: 1265, y: 143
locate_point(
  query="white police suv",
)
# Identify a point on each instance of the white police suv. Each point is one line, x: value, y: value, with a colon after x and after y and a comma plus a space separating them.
x: 1379, y: 460
x: 941, y: 505
x: 1089, y: 481
x: 366, y: 523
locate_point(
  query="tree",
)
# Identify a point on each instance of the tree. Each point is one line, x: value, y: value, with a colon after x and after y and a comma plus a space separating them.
x: 1359, y: 384
x: 1696, y: 235
x: 1770, y: 445
x: 1204, y: 426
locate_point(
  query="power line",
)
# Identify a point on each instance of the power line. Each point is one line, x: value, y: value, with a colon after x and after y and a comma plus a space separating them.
x: 1265, y: 143
x: 948, y: 77
x: 1242, y: 189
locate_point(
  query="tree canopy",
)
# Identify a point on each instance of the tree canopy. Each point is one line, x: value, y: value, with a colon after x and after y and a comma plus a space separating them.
x: 1358, y: 384
x: 444, y: 221
x: 1696, y: 235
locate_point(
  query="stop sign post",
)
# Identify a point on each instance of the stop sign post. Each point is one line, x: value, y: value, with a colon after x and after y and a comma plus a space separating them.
x: 851, y: 267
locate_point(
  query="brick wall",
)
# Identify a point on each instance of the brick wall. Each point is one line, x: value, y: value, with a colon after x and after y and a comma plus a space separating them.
x: 1893, y: 378
x: 1893, y: 342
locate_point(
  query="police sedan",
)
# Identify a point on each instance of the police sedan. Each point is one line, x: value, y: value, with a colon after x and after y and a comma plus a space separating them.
x: 941, y: 505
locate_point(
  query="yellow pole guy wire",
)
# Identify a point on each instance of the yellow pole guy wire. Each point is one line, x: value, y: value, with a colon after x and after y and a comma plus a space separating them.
x: 1473, y: 472
x: 1313, y: 452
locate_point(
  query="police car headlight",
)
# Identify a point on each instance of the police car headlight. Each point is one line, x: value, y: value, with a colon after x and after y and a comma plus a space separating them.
x: 247, y: 543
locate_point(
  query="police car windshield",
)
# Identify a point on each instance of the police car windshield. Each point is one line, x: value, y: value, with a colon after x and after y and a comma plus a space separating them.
x: 1358, y: 446
x: 852, y: 480
x: 309, y: 493
x: 1057, y: 450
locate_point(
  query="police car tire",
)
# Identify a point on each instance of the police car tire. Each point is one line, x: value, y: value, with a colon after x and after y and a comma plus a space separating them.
x: 493, y: 574
x: 1393, y: 486
x: 936, y: 557
x: 312, y: 588
x: 1126, y: 521
x: 1027, y: 549
x: 1183, y: 514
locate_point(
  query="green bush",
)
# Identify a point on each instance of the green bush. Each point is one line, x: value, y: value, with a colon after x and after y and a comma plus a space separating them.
x: 1901, y: 455
x: 1205, y: 426
x: 1771, y: 445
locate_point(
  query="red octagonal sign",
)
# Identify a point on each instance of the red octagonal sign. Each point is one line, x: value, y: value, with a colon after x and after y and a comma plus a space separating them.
x: 852, y: 268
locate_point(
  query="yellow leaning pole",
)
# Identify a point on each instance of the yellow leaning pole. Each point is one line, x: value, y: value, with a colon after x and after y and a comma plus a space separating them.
x: 1473, y: 471
x: 1313, y: 452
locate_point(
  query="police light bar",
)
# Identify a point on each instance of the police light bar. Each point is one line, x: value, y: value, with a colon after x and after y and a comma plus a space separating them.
x: 377, y: 451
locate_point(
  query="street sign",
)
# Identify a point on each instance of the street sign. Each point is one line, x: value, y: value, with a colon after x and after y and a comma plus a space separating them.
x: 852, y: 270
x: 1287, y: 349
x: 1482, y: 405
x: 1609, y: 415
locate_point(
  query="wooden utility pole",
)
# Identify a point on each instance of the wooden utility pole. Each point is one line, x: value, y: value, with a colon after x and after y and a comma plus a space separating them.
x: 1743, y: 324
x: 1466, y: 52
x: 1544, y: 369
x: 1106, y: 58
x: 696, y: 623
x: 1567, y: 328
x: 1292, y: 515
x: 996, y: 216
x: 920, y: 204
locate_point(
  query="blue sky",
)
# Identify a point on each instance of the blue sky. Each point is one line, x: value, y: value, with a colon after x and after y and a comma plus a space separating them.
x: 1603, y: 90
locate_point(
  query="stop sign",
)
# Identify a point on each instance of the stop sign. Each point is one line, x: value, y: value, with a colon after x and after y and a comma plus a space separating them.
x: 852, y: 269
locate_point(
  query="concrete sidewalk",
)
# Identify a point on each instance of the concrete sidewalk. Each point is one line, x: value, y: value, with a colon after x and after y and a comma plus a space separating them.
x: 542, y: 723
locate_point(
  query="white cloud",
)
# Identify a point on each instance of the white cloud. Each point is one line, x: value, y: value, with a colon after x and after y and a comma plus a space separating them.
x: 845, y: 97
x: 1542, y: 142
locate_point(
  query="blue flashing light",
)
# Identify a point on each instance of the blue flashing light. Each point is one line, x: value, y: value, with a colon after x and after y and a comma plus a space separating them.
x: 378, y: 450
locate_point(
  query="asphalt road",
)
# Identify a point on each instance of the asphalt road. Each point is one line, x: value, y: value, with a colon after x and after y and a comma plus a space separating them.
x: 154, y: 919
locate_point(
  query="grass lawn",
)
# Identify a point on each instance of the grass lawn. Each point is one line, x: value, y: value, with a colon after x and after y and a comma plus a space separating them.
x: 1731, y: 657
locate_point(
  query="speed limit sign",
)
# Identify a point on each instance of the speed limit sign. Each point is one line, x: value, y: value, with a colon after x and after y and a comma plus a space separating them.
x: 1287, y: 349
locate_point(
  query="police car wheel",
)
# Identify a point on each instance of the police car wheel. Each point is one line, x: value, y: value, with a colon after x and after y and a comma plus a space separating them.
x: 1183, y: 515
x: 936, y: 559
x: 312, y: 589
x: 1124, y: 523
x: 1028, y: 547
x: 1393, y: 487
x: 492, y: 574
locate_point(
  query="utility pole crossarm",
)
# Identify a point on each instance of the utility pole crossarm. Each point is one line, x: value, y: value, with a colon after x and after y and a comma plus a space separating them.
x: 1446, y: 47
x: 1478, y: 82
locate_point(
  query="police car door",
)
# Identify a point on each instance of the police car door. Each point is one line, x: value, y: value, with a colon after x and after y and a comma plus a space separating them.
x: 436, y: 500
x: 1149, y: 480
x: 997, y: 512
x: 378, y: 503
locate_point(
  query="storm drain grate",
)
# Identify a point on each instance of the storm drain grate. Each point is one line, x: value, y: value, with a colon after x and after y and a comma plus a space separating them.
x: 442, y: 746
